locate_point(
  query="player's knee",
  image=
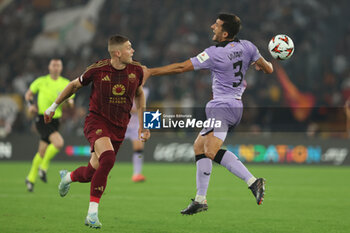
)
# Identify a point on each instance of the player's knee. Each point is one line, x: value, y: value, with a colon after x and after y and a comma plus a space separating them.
x: 198, y: 148
x: 59, y: 143
x: 42, y: 152
x: 210, y: 154
x: 107, y: 159
x: 94, y: 162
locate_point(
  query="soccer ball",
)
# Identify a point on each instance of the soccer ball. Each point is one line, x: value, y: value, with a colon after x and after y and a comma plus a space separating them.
x: 281, y: 47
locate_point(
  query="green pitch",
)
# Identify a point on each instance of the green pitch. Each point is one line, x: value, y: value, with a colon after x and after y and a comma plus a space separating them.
x: 298, y: 199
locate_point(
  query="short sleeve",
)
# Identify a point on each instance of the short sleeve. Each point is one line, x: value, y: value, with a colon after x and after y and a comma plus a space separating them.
x: 34, y: 87
x: 87, y: 77
x: 202, y: 60
x: 255, y: 54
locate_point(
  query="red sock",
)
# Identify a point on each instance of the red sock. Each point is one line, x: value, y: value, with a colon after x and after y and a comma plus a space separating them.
x: 99, y: 179
x: 83, y: 174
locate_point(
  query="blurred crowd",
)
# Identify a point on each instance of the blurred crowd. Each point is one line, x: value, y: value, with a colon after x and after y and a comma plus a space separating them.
x: 166, y: 31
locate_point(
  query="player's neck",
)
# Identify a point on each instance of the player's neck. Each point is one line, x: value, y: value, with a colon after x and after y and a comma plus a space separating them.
x: 117, y: 64
x: 54, y: 77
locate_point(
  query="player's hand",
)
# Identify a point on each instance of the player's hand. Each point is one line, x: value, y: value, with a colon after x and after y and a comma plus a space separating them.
x: 49, y: 113
x: 48, y: 117
x: 144, y: 134
x: 32, y: 109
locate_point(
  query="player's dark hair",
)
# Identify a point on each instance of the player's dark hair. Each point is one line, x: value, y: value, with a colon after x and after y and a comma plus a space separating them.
x: 231, y: 25
x: 117, y: 40
x: 56, y: 59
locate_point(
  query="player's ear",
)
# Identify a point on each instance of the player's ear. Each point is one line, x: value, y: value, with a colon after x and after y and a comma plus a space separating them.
x: 225, y: 34
x: 117, y: 53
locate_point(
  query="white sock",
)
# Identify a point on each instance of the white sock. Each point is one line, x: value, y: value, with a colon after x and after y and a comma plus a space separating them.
x: 251, y: 181
x: 93, y: 207
x: 200, y: 199
x: 67, y: 178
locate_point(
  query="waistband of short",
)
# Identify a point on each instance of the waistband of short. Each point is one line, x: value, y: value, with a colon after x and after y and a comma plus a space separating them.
x: 228, y: 98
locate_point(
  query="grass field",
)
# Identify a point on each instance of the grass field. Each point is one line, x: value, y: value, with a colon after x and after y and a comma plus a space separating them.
x: 298, y: 199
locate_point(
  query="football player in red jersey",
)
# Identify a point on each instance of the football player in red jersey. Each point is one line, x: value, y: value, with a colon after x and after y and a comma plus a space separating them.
x: 115, y: 83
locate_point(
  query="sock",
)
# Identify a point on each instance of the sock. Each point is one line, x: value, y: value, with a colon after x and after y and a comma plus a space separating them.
x: 251, y: 181
x: 93, y: 207
x: 204, y: 166
x: 67, y: 178
x: 82, y: 174
x: 99, y: 179
x: 201, y: 199
x: 33, y: 173
x: 50, y: 152
x: 137, y: 161
x: 234, y: 165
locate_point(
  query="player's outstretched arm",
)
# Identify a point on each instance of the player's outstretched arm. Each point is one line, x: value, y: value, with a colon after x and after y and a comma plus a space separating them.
x: 175, y: 68
x: 265, y: 66
x: 140, y: 102
x: 68, y: 91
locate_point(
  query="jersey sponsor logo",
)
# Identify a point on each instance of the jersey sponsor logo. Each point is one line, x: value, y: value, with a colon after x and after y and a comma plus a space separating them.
x: 118, y: 89
x: 117, y: 100
x: 202, y: 57
x: 132, y: 77
x: 106, y: 78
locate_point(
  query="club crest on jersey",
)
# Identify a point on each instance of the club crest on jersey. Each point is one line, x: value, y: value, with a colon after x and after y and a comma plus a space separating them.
x: 99, y: 132
x: 118, y: 89
x: 132, y: 77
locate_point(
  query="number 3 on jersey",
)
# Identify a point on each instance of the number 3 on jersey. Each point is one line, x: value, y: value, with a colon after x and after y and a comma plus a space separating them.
x: 239, y: 73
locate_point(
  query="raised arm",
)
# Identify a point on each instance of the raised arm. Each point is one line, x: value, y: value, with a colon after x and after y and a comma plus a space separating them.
x: 175, y: 68
x: 265, y: 66
x: 69, y: 90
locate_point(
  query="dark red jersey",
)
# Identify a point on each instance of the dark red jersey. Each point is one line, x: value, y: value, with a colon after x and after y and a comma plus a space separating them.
x: 112, y: 90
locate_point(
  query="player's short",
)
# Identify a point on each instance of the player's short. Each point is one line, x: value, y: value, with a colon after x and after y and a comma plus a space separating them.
x: 45, y: 130
x: 96, y: 127
x: 228, y: 111
x: 132, y: 133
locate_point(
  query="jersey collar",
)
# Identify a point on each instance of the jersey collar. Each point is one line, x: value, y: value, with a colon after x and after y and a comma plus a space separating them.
x: 225, y: 42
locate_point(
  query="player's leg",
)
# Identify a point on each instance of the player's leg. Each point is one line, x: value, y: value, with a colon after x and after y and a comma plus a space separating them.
x: 33, y: 173
x: 137, y: 160
x: 229, y: 160
x: 106, y: 156
x: 82, y: 175
x: 204, y: 167
x: 56, y: 143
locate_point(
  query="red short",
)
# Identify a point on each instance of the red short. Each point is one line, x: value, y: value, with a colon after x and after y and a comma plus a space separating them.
x: 96, y: 127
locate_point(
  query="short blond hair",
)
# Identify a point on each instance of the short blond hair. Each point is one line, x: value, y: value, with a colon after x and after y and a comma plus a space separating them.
x: 116, y: 40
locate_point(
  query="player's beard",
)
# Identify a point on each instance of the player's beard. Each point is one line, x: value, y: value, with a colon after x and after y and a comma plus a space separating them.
x: 217, y: 37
